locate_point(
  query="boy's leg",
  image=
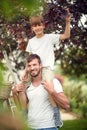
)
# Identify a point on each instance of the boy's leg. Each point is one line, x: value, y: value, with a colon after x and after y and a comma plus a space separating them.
x: 57, y: 116
x: 48, y: 75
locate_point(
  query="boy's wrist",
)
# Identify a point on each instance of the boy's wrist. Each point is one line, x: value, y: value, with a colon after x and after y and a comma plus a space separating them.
x: 26, y: 71
x: 68, y: 21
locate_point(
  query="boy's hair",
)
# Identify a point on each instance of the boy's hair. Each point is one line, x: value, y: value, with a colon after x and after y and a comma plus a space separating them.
x: 36, y: 20
x: 32, y: 57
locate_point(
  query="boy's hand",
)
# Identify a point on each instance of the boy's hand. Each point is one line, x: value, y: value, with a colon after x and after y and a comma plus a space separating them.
x: 24, y: 77
x: 68, y: 16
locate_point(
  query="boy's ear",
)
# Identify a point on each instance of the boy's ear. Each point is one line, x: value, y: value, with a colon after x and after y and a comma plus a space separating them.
x: 43, y: 25
x: 32, y: 30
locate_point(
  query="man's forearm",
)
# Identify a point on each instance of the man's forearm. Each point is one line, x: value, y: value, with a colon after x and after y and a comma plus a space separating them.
x: 61, y: 100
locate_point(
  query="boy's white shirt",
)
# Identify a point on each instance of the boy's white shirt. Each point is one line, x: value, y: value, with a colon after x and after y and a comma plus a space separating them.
x: 40, y: 110
x: 44, y: 47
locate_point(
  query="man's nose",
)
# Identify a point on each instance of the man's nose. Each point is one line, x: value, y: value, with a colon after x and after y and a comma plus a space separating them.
x: 32, y: 67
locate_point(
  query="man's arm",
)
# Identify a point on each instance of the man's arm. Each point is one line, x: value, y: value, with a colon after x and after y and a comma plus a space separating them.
x: 66, y: 34
x: 19, y: 95
x: 60, y: 98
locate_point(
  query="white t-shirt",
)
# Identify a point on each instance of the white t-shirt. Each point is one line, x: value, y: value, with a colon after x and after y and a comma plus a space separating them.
x: 44, y: 47
x: 40, y: 110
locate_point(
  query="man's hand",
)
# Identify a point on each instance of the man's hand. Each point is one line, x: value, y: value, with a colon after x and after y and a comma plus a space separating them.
x: 18, y: 88
x: 48, y: 85
x: 59, y: 98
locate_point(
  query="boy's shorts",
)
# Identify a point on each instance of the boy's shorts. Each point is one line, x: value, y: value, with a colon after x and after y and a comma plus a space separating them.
x: 47, y: 74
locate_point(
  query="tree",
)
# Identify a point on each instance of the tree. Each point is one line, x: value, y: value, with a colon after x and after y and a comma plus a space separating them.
x: 72, y: 52
x: 15, y: 32
x: 12, y: 8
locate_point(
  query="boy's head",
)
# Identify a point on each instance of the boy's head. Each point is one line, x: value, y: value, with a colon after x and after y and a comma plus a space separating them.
x: 36, y: 20
x: 37, y: 25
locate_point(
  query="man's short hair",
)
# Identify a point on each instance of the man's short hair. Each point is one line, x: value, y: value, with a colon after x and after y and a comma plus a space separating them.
x: 32, y: 57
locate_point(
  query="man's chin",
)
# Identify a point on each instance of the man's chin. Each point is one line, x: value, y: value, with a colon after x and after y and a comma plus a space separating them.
x: 34, y: 75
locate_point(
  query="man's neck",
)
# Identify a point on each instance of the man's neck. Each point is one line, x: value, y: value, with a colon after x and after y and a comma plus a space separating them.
x: 37, y: 81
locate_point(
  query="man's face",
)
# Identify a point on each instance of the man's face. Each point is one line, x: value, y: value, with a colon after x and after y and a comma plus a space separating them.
x: 34, y: 68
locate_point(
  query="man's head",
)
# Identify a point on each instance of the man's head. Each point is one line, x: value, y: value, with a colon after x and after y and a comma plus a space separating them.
x: 34, y: 65
x: 37, y: 25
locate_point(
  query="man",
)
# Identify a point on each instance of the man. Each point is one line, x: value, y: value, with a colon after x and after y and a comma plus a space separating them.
x: 42, y: 44
x: 40, y: 110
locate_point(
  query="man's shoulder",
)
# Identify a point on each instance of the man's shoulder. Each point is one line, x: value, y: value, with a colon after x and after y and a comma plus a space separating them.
x: 56, y: 81
x: 57, y: 85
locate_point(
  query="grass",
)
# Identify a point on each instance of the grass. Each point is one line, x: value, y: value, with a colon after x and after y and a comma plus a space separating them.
x: 80, y: 124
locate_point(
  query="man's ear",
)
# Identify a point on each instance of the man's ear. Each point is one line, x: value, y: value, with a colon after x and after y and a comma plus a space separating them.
x: 40, y: 65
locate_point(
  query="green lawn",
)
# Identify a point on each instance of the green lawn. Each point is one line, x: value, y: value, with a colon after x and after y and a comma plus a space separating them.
x: 74, y: 125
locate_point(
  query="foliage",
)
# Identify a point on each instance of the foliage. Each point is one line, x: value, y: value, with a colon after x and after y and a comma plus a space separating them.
x: 8, y: 122
x: 78, y: 98
x: 83, y: 109
x: 15, y: 31
x: 2, y: 70
x: 75, y: 125
x: 72, y: 52
x: 12, y: 8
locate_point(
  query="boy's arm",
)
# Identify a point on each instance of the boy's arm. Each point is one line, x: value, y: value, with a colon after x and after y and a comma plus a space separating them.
x: 25, y: 73
x: 66, y: 34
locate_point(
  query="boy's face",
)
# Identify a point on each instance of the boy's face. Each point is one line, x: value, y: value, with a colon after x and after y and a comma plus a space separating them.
x: 38, y: 29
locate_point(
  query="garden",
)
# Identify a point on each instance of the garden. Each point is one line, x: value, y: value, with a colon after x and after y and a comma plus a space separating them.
x: 71, y: 55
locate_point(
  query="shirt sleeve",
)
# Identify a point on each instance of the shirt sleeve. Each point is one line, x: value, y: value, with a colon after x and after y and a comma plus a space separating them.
x: 55, y: 38
x: 57, y: 86
x: 28, y: 48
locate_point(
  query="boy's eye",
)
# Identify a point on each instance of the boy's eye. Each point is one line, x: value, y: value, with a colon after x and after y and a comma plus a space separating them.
x: 37, y: 23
